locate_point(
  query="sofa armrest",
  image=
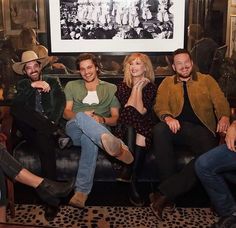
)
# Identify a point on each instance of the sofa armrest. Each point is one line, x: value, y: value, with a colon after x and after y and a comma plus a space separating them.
x: 7, y: 126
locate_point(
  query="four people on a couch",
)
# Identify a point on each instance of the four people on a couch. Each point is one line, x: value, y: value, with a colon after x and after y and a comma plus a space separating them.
x: 190, y: 105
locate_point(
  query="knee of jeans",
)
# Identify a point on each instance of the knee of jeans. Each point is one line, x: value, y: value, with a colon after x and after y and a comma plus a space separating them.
x: 200, y: 164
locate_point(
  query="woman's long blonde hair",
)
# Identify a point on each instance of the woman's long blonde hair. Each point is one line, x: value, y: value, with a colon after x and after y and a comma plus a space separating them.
x: 147, y: 62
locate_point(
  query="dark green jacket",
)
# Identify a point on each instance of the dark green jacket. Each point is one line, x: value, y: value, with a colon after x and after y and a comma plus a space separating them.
x: 53, y: 102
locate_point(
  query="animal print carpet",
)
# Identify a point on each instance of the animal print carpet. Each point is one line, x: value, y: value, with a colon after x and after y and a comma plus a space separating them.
x: 114, y: 217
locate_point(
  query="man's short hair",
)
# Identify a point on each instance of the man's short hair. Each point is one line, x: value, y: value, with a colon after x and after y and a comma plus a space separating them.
x: 88, y: 56
x: 180, y: 51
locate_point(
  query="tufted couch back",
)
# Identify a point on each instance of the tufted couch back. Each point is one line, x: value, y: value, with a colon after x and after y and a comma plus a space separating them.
x: 107, y: 167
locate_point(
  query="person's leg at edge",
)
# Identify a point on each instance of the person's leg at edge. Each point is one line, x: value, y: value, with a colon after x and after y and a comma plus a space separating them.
x: 210, y: 168
x: 47, y: 190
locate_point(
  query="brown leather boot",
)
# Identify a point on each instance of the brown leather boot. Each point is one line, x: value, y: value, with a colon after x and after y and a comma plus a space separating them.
x: 158, y: 203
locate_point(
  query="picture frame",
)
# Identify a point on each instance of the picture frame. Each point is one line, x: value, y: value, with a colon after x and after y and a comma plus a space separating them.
x: 166, y: 23
x: 18, y: 14
x: 1, y: 17
x: 232, y: 42
x: 233, y: 2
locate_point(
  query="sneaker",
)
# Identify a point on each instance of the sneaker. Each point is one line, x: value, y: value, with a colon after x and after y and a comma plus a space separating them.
x: 78, y: 200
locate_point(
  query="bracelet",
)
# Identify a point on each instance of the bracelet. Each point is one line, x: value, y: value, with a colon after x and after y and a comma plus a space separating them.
x: 104, y: 120
x: 164, y: 116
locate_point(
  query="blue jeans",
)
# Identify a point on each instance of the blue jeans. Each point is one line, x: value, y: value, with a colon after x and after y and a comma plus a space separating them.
x: 86, y: 133
x: 213, y: 168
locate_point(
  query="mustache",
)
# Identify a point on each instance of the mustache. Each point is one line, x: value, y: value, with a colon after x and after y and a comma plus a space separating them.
x: 34, y: 72
x: 185, y: 68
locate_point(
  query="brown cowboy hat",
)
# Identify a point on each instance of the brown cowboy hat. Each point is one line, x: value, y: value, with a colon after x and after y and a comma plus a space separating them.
x: 26, y: 57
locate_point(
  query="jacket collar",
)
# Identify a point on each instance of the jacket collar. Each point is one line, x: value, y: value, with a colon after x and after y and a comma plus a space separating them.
x: 194, y: 77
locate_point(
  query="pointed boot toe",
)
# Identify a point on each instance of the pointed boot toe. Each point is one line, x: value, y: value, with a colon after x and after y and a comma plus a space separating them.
x: 54, y: 188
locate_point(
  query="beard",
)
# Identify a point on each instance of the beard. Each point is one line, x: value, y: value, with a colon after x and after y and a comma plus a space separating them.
x: 35, y: 77
x: 182, y: 76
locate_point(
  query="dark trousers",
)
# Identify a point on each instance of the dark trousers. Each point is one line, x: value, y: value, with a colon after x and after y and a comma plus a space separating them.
x: 37, y: 130
x: 8, y: 166
x: 198, y: 138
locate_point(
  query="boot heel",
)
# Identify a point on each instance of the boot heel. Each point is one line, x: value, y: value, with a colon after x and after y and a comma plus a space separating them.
x: 52, y: 201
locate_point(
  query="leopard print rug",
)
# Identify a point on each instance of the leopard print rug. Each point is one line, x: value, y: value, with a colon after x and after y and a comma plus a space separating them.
x: 113, y: 217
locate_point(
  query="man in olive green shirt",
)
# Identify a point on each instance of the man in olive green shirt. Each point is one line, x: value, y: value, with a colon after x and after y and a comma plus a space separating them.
x: 91, y: 107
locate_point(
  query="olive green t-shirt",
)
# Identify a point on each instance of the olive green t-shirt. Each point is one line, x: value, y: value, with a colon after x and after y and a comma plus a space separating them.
x: 76, y: 91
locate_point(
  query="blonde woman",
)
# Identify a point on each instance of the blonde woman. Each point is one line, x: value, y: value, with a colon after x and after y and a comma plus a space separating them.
x: 136, y: 94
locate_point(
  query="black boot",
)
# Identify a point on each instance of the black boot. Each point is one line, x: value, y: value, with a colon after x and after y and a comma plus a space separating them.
x: 50, y: 191
x: 125, y: 171
x: 50, y: 212
x: 139, y: 158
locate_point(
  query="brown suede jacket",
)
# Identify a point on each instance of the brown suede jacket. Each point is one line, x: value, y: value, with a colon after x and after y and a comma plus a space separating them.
x: 206, y: 98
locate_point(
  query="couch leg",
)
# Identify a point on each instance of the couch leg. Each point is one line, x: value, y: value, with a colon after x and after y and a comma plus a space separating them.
x: 11, y: 199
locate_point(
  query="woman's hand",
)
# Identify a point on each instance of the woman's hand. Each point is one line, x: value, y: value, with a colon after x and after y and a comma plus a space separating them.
x: 139, y: 85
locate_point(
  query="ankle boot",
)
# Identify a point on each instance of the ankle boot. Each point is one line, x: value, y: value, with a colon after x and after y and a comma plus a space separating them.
x: 139, y: 158
x: 50, y: 191
x: 135, y: 197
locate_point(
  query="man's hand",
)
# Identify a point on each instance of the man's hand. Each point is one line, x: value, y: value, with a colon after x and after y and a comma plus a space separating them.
x: 58, y: 66
x: 230, y: 137
x: 42, y: 86
x: 172, y: 123
x: 97, y: 118
x: 223, y: 124
x: 89, y: 113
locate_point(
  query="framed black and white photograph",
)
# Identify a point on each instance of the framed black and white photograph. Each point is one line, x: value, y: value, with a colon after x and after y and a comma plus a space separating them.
x: 116, y: 25
x: 1, y: 17
x: 232, y: 43
x: 19, y: 14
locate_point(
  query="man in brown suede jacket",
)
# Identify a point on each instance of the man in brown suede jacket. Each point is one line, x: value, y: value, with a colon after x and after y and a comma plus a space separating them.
x: 192, y: 109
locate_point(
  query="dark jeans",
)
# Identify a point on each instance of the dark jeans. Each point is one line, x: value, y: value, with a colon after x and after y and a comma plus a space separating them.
x: 38, y: 130
x: 198, y: 138
x: 214, y: 168
x: 8, y: 166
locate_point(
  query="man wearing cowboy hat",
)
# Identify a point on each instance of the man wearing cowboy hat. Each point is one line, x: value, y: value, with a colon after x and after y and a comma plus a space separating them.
x: 37, y: 109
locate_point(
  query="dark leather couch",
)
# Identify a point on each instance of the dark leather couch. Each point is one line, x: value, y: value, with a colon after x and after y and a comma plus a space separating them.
x: 107, y: 168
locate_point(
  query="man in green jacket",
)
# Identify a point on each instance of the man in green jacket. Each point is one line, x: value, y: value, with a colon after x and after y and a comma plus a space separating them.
x: 192, y: 109
x: 37, y: 109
